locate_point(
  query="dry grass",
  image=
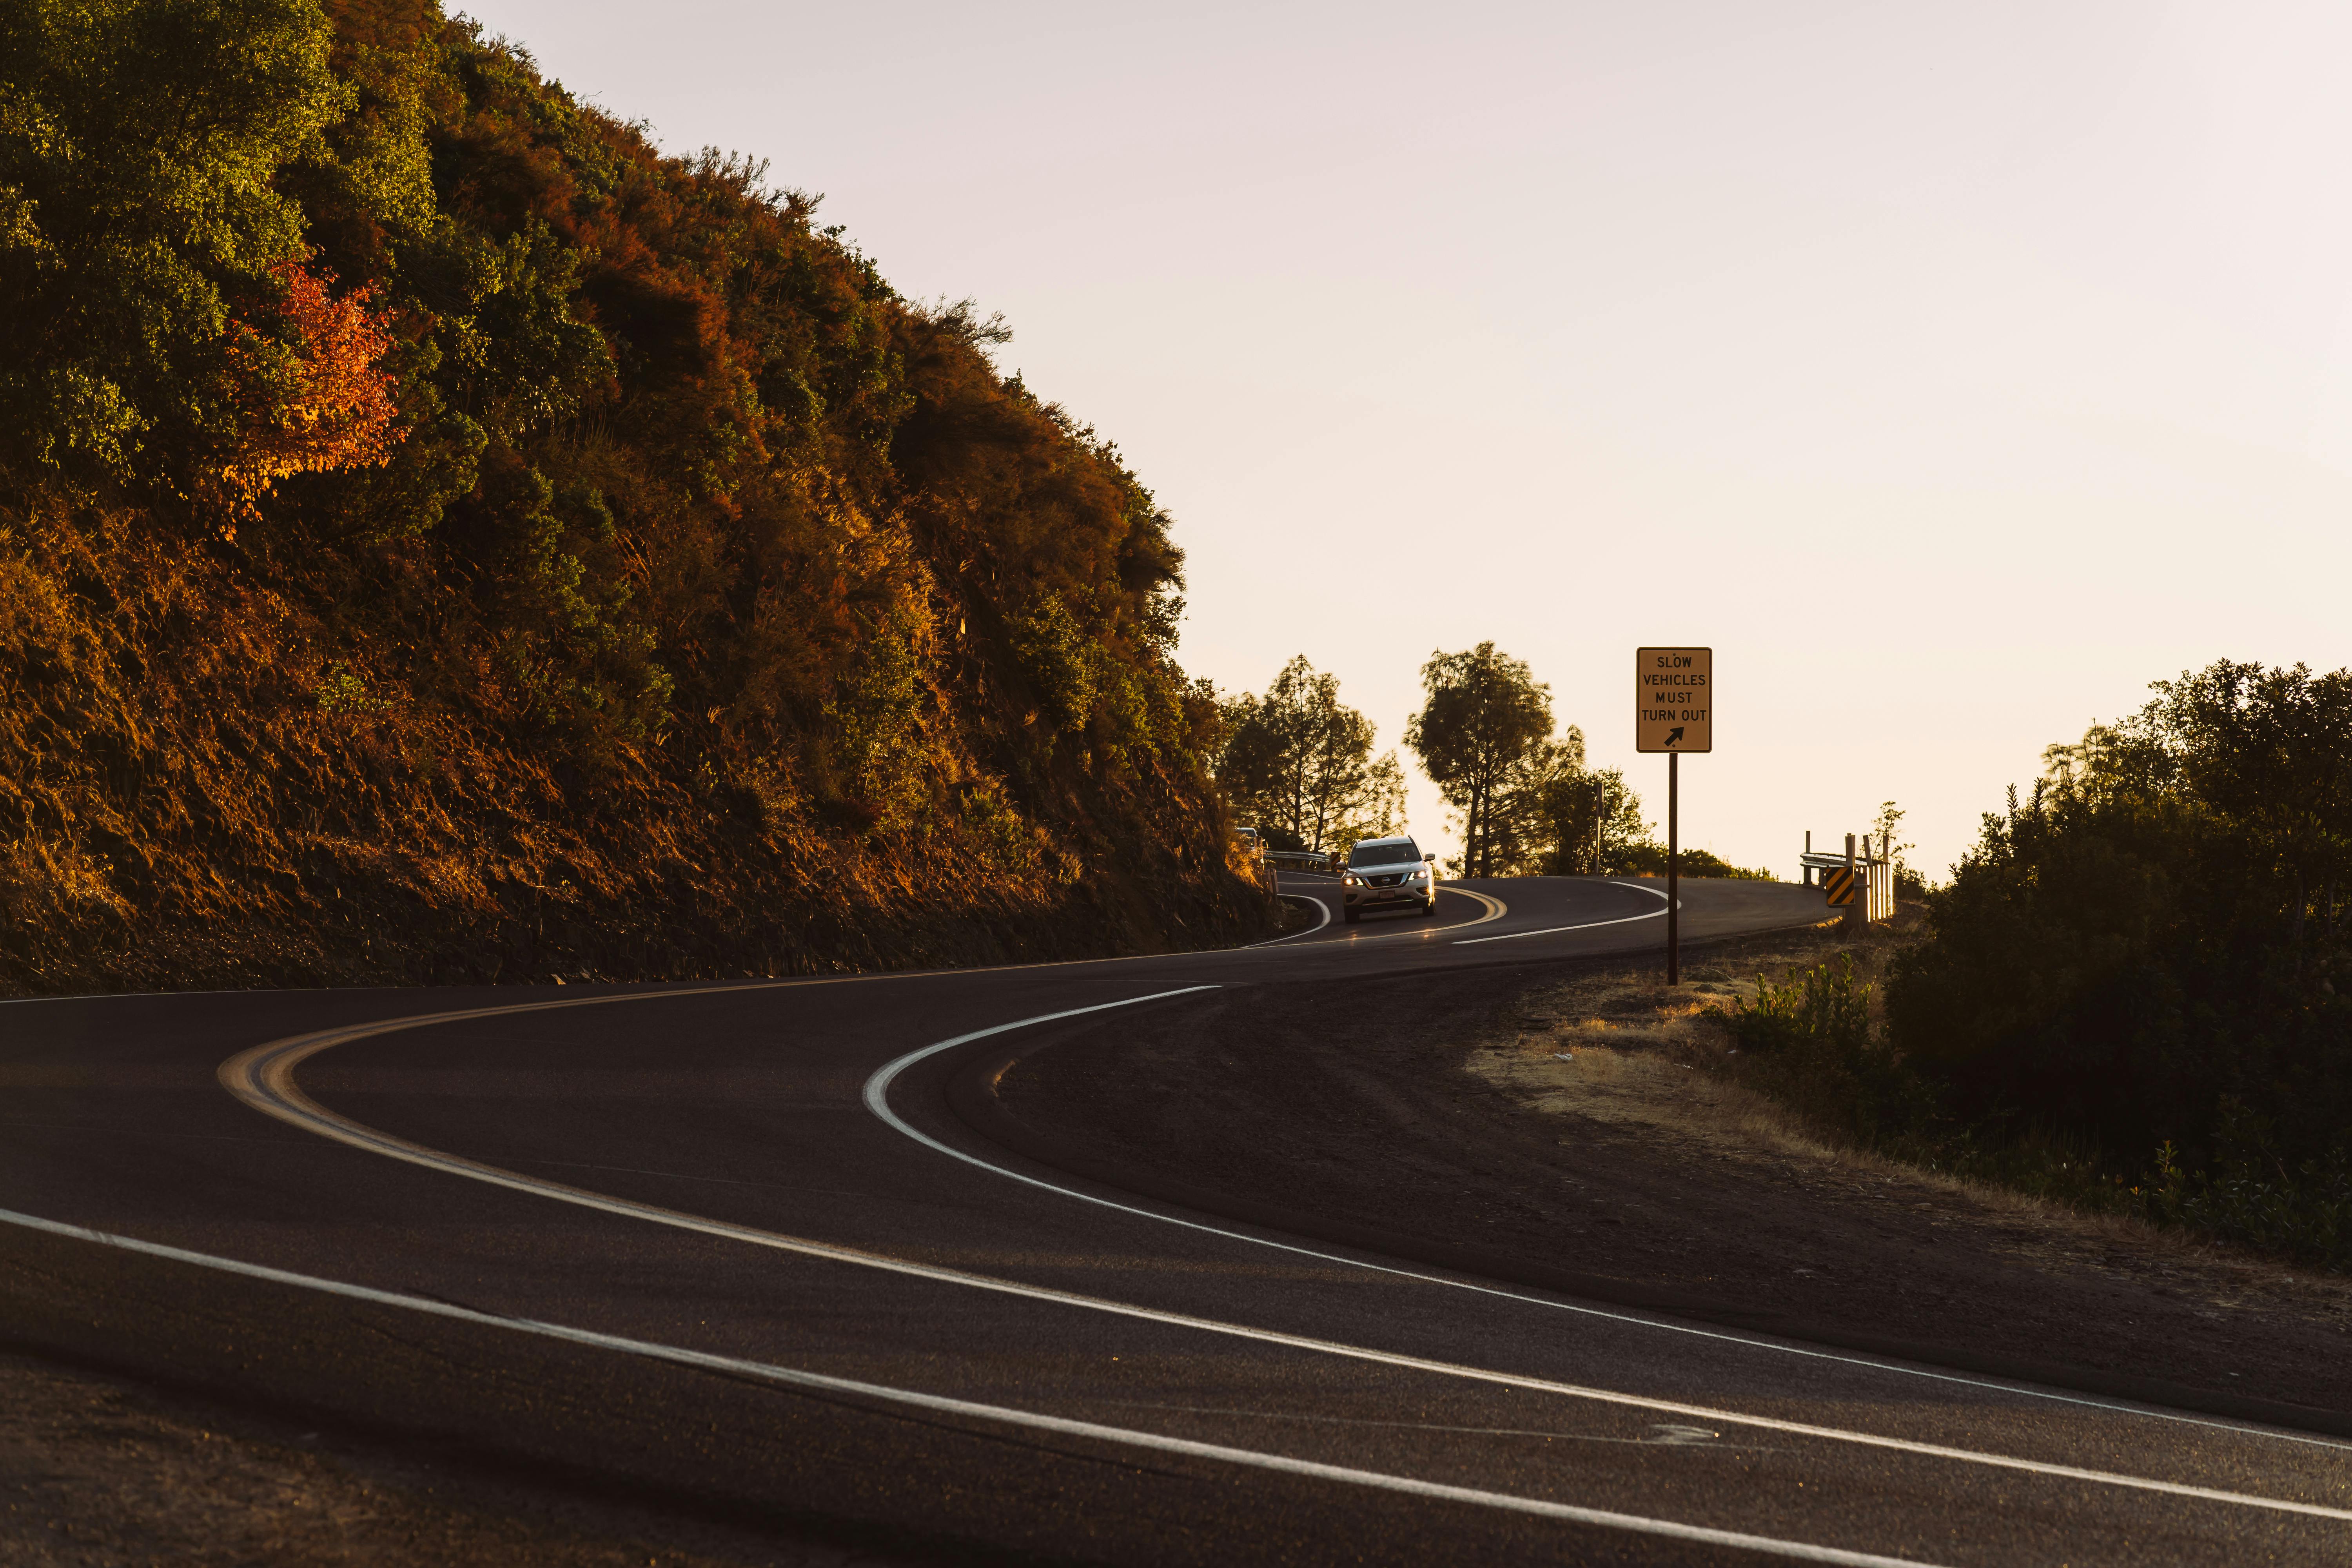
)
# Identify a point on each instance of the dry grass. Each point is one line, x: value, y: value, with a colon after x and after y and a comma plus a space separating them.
x: 1624, y: 1049
x: 207, y: 781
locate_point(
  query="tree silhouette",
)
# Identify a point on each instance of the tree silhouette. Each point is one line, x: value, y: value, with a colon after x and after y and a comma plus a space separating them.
x: 1302, y: 761
x: 1485, y: 715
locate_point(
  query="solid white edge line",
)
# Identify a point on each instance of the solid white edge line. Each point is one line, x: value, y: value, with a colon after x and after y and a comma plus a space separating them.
x: 1555, y: 931
x: 1589, y: 925
x: 1320, y: 907
x: 876, y: 1095
x: 796, y: 1377
x: 262, y: 1078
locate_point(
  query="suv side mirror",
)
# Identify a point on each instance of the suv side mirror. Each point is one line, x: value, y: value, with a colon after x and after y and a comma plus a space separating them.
x: 1431, y: 858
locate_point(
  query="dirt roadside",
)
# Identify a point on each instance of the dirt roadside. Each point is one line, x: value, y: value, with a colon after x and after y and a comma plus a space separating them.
x: 97, y: 1472
x: 1432, y: 1117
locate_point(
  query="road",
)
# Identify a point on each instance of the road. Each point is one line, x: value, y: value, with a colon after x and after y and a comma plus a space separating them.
x: 731, y: 1247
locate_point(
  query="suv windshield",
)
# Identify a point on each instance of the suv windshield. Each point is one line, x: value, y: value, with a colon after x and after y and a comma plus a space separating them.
x: 1395, y: 854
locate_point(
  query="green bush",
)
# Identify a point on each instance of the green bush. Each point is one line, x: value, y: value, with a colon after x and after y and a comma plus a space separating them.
x: 2304, y: 1210
x: 2143, y: 955
x: 1813, y: 1048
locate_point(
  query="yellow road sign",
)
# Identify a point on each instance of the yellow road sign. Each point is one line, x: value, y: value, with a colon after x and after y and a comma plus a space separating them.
x: 1838, y: 882
x: 1674, y: 699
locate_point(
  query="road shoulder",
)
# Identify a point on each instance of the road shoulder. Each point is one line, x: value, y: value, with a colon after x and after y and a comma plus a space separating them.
x: 1396, y: 1132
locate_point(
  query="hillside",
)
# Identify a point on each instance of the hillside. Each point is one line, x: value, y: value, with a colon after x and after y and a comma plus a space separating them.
x: 444, y: 539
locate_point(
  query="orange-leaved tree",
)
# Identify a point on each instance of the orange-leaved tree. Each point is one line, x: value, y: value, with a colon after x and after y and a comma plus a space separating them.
x: 312, y: 392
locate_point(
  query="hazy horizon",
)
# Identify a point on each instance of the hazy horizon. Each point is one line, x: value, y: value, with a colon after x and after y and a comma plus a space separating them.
x: 1583, y: 328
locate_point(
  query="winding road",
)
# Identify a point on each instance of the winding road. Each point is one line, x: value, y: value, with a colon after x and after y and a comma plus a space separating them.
x: 732, y: 1246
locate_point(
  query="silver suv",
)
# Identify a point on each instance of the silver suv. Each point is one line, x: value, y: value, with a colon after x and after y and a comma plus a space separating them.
x: 1383, y: 873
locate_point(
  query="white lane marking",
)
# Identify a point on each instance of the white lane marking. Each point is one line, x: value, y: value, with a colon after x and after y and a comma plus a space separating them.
x: 877, y: 1088
x: 796, y: 1377
x: 1675, y: 1438
x: 1320, y: 907
x: 1555, y: 931
x: 263, y: 1078
x: 1589, y: 925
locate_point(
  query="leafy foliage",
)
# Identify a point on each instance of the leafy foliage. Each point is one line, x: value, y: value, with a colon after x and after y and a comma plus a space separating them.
x: 2146, y: 950
x: 1527, y: 803
x: 1648, y: 858
x: 141, y: 226
x: 350, y: 364
x: 1588, y: 821
x: 1811, y: 1044
x: 1481, y: 736
x: 1300, y: 762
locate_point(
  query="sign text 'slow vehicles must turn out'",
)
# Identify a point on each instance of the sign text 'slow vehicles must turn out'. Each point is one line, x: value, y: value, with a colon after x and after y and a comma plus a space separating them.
x: 1674, y: 699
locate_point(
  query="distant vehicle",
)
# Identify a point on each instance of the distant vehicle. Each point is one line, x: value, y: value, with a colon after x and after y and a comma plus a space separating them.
x: 1383, y: 873
x: 1250, y: 840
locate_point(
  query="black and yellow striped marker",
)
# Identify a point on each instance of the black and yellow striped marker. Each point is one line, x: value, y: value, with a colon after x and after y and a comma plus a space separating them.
x: 1838, y: 882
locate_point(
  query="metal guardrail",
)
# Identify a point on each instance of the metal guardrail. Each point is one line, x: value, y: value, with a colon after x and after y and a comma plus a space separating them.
x: 1304, y: 860
x: 1877, y: 874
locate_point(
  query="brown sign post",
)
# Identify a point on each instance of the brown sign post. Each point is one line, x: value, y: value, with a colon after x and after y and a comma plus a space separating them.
x: 1673, y: 713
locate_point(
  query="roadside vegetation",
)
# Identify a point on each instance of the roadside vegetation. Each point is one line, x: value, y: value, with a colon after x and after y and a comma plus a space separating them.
x: 1815, y: 1121
x: 1299, y: 762
x: 2128, y: 995
x: 443, y: 537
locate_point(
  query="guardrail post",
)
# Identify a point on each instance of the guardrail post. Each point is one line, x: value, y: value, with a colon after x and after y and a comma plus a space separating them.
x: 1858, y: 913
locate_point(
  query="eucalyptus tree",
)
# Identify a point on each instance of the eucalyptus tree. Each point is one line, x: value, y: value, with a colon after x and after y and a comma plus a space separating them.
x: 1485, y: 718
x: 1302, y: 761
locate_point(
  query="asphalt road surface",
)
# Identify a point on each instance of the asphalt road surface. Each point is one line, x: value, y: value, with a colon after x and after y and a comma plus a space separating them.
x: 730, y: 1247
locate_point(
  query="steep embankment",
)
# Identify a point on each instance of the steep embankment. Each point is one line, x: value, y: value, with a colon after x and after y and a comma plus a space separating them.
x: 441, y: 538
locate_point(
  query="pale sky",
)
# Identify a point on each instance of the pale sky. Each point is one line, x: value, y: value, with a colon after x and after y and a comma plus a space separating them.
x: 1954, y: 371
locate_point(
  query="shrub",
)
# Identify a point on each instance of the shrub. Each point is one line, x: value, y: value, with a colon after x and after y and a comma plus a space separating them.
x: 2304, y: 1210
x: 1812, y: 1046
x: 2143, y: 954
x: 1648, y: 859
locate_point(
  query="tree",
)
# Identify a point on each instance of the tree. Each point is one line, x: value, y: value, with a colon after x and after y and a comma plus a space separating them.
x: 1485, y: 715
x: 2146, y: 948
x: 143, y: 234
x: 616, y: 516
x: 1593, y: 824
x: 1523, y: 831
x: 1908, y: 882
x: 1302, y: 761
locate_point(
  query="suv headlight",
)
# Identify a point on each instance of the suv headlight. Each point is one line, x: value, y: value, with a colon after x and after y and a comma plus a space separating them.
x: 1347, y: 879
